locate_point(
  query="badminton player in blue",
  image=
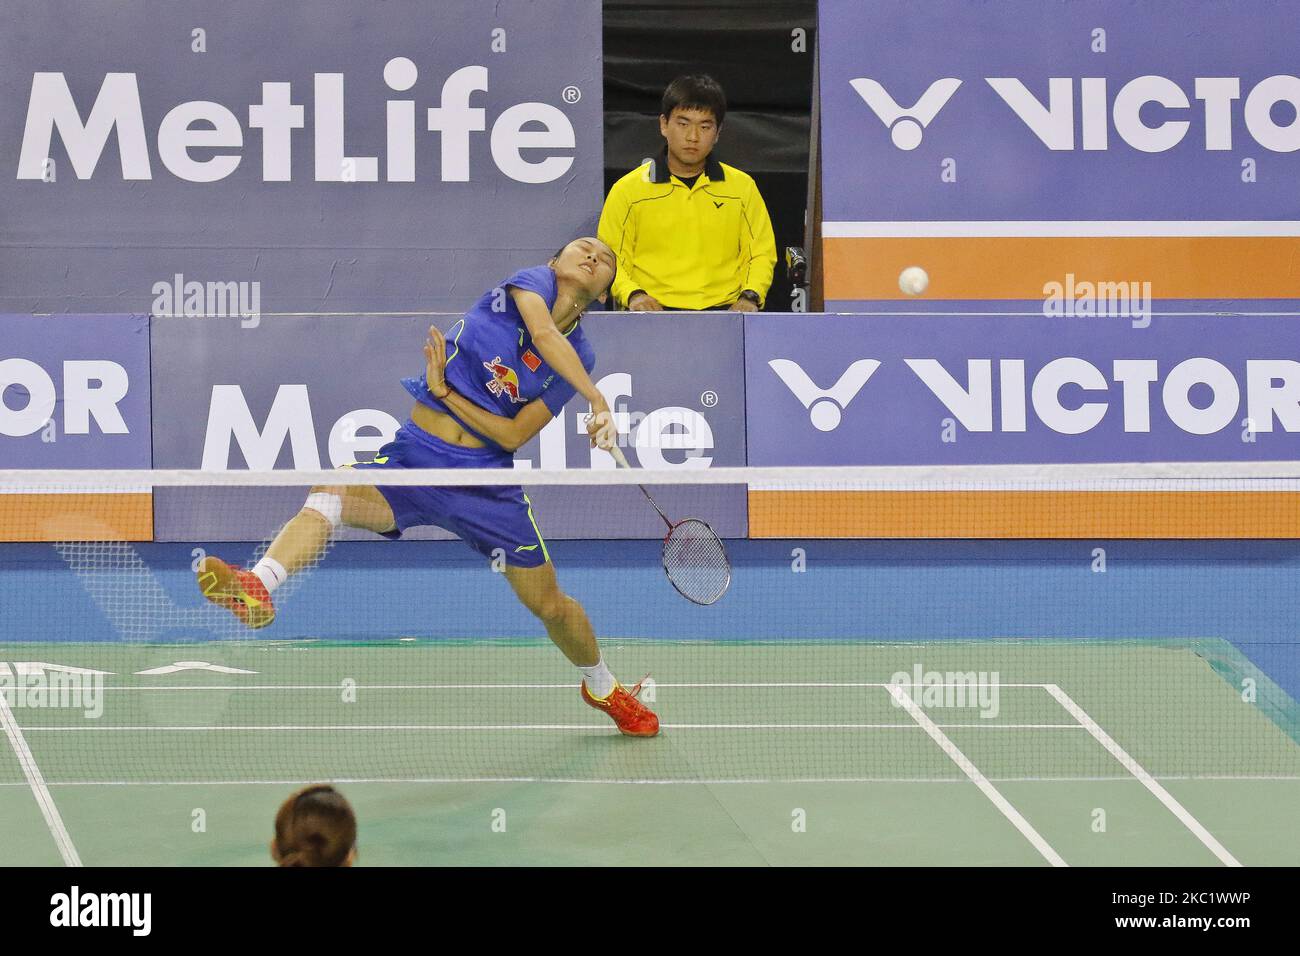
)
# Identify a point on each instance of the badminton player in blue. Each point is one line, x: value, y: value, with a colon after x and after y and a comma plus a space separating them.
x: 499, y: 375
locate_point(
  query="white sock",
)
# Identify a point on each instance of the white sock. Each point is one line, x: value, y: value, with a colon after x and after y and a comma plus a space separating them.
x: 271, y: 573
x: 600, y: 682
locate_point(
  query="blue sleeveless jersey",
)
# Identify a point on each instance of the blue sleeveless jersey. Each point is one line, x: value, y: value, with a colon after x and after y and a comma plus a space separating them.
x: 491, y: 359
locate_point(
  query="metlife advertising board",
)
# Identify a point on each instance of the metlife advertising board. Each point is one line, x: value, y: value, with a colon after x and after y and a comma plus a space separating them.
x: 1005, y: 145
x: 321, y: 392
x: 322, y: 156
x: 74, y: 393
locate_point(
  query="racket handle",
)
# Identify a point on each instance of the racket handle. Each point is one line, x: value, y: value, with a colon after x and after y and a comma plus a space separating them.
x: 619, y: 456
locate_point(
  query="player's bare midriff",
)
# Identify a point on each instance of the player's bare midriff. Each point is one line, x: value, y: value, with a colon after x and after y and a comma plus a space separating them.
x: 441, y: 425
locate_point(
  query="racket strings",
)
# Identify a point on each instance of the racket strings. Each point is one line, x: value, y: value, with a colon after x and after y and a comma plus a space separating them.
x: 696, y: 562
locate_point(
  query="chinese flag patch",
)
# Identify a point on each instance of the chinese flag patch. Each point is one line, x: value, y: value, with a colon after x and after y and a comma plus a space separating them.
x: 531, y: 360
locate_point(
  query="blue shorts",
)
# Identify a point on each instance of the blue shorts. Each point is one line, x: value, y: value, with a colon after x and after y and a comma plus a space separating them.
x: 486, y: 517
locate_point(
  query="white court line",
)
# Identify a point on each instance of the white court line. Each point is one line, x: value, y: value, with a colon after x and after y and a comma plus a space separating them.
x: 628, y: 781
x: 1148, y: 781
x: 37, y: 783
x: 977, y: 778
x: 569, y: 686
x: 298, y: 728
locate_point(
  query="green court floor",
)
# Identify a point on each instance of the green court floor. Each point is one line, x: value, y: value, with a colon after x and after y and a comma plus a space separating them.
x: 1004, y: 753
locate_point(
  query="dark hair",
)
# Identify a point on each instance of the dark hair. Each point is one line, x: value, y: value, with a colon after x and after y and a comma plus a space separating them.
x: 315, y: 827
x: 695, y: 91
x: 560, y: 251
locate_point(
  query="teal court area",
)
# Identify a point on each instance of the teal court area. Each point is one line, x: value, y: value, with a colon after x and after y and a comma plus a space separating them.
x: 1084, y: 753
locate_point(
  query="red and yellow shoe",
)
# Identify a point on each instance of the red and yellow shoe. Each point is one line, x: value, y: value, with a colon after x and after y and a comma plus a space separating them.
x: 632, y: 717
x: 239, y: 591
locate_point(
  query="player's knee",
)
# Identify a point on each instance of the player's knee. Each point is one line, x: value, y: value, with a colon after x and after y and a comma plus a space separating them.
x: 553, y: 608
x: 326, y: 502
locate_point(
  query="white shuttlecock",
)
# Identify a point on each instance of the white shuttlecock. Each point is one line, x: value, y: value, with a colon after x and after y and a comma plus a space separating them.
x: 913, y: 280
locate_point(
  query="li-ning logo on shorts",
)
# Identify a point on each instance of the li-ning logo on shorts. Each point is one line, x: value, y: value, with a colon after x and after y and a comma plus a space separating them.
x: 906, y: 125
x: 504, y: 381
x: 825, y: 406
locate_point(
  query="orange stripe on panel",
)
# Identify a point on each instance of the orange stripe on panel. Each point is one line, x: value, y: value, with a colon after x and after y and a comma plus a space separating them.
x: 1024, y: 514
x: 76, y: 517
x: 1182, y: 267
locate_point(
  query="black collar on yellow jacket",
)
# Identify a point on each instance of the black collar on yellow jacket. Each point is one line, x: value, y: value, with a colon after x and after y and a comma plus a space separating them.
x: 659, y: 169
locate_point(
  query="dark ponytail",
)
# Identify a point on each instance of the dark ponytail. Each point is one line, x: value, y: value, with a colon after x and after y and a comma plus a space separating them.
x: 315, y: 827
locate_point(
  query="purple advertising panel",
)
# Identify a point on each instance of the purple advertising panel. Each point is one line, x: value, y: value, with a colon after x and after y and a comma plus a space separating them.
x: 928, y: 389
x: 74, y: 393
x: 1078, y: 110
x: 321, y: 392
x: 322, y: 156
x: 1002, y: 145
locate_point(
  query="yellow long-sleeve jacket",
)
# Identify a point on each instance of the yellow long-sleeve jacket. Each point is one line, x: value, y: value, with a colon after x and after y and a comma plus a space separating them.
x: 689, y: 248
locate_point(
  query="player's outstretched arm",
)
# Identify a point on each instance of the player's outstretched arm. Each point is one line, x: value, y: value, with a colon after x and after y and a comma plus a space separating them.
x: 509, y: 433
x: 562, y: 357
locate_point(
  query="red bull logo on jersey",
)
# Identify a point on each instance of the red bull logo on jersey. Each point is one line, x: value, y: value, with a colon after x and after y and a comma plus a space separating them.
x: 504, y: 381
